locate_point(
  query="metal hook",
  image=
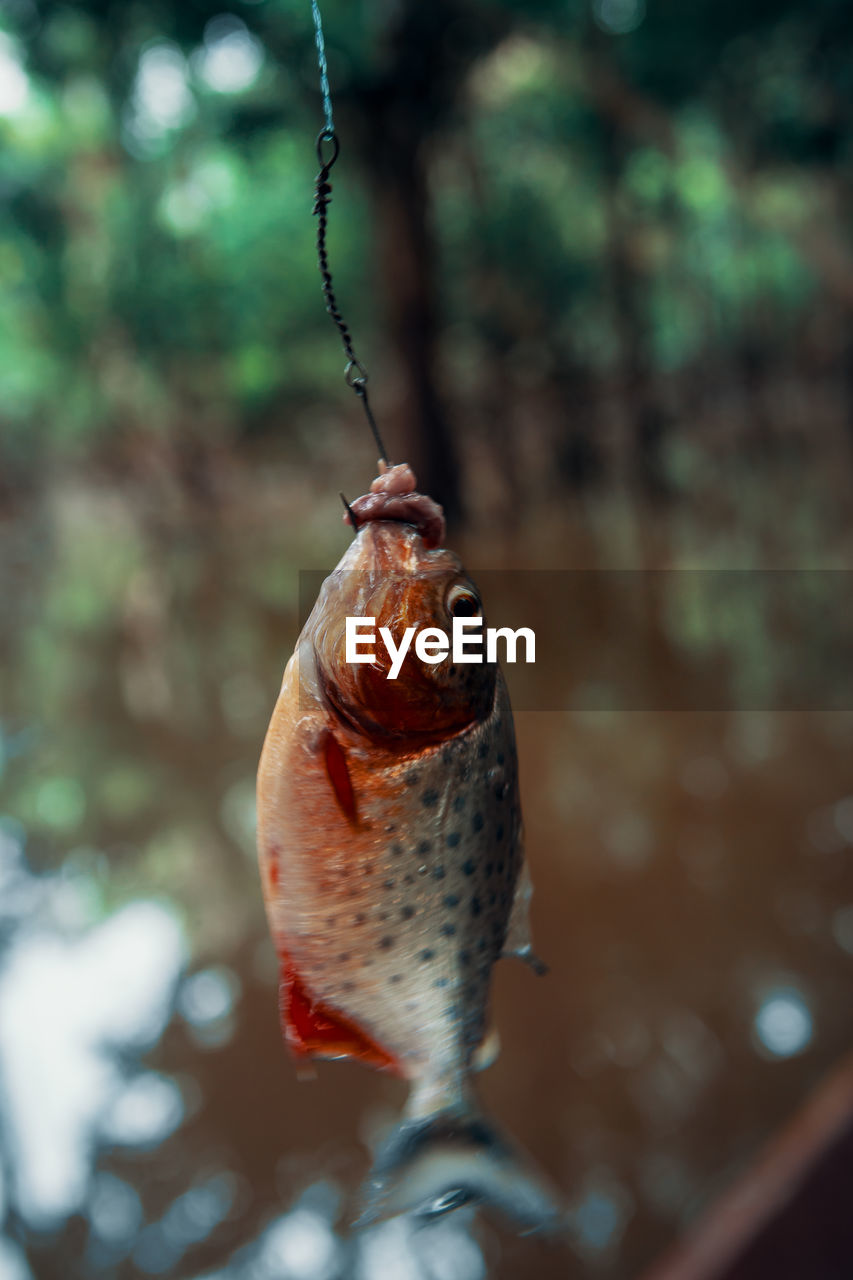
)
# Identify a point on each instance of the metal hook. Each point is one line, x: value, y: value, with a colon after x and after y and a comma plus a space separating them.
x: 350, y: 514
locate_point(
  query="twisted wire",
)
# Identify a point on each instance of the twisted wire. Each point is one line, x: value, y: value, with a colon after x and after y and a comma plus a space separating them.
x: 355, y: 373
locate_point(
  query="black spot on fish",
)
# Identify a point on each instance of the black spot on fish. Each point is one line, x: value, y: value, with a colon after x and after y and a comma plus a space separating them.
x: 447, y: 756
x: 489, y: 868
x: 475, y: 906
x: 500, y: 791
x: 389, y: 884
x: 411, y: 778
x: 429, y: 799
x: 427, y: 954
x: 500, y: 868
x: 477, y: 822
x: 448, y: 930
x: 499, y: 832
x: 396, y: 977
x: 360, y: 918
x: 451, y: 900
x: 438, y: 873
x: 453, y: 839
x: 343, y: 958
x: 468, y: 867
x: 396, y: 849
x: 464, y: 957
x: 383, y: 915
x: 482, y: 750
x: 459, y: 803
x: 440, y: 982
x: 407, y: 912
x: 392, y: 826
x: 348, y: 986
x: 493, y: 897
x: 482, y: 944
x: 453, y: 671
x: 386, y: 943
x: 424, y: 847
x: 500, y: 757
x: 408, y: 879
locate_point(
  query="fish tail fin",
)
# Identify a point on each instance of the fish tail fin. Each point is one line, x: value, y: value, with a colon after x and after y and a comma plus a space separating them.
x: 431, y: 1165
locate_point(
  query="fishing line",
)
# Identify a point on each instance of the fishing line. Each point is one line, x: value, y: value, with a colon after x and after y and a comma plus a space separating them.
x: 355, y: 374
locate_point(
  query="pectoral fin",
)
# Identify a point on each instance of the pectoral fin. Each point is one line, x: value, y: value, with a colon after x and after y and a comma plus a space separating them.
x: 518, y: 942
x: 339, y: 776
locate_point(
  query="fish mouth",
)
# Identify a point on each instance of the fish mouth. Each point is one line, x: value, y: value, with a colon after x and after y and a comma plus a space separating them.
x: 404, y: 738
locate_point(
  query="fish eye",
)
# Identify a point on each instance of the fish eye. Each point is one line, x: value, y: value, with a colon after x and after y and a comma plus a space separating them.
x: 463, y: 603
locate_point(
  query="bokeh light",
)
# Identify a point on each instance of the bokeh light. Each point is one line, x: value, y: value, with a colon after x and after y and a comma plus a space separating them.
x: 783, y: 1023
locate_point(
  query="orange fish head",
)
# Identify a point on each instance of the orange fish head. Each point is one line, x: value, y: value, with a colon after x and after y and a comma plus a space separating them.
x: 390, y: 576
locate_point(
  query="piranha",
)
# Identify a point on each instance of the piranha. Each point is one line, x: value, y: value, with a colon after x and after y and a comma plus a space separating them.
x: 390, y: 845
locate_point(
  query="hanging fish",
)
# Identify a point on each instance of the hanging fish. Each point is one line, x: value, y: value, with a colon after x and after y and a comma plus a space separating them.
x: 389, y: 835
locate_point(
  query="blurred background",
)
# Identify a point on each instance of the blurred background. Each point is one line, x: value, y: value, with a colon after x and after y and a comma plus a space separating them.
x: 597, y: 257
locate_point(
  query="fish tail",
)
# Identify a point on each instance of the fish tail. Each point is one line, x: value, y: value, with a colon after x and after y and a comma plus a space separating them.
x: 433, y: 1164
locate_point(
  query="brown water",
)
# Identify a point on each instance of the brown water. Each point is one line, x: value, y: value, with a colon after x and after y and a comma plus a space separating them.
x: 690, y: 869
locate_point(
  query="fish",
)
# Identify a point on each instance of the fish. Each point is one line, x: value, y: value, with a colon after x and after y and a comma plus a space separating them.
x: 392, y: 865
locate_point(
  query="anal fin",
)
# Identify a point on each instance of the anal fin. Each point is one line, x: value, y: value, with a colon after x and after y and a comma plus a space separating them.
x: 487, y: 1051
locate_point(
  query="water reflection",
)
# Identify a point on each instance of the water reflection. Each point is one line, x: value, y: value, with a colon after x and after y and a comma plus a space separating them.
x: 301, y: 1246
x: 783, y: 1024
x: 600, y: 1214
x: 78, y: 1006
x: 442, y: 1251
x: 13, y: 1265
x: 146, y: 1111
x: 115, y: 1209
x: 206, y: 1001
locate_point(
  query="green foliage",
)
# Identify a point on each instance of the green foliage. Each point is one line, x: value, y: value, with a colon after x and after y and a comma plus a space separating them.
x: 156, y: 251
